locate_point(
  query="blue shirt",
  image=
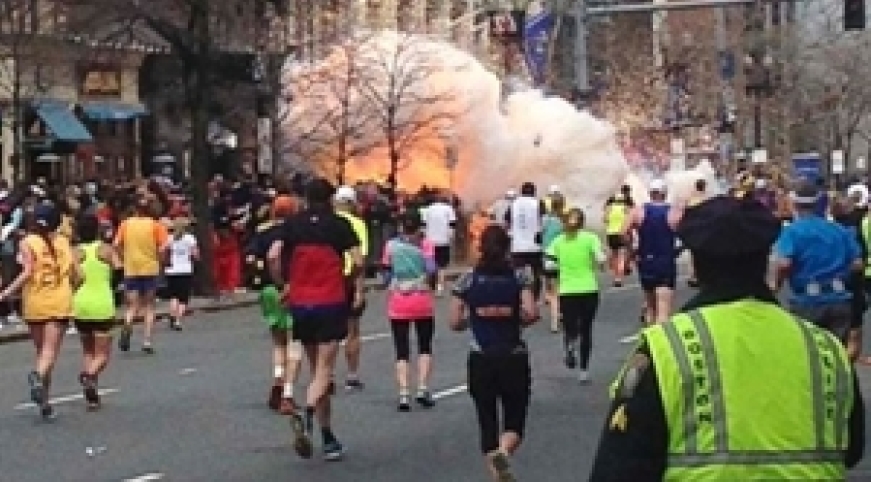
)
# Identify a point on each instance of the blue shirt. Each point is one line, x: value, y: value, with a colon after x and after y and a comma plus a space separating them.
x: 821, y: 252
x: 656, y: 239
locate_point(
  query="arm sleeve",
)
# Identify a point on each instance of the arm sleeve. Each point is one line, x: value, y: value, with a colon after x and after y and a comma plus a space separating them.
x: 784, y: 247
x: 634, y: 442
x: 856, y: 427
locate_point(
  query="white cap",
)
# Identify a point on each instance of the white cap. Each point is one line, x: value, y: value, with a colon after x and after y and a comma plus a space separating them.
x: 760, y: 183
x: 860, y: 192
x: 345, y: 194
x: 657, y: 185
x: 511, y: 193
x: 554, y: 189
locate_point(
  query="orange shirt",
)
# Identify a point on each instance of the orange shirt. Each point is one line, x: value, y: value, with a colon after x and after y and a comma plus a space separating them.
x: 140, y: 241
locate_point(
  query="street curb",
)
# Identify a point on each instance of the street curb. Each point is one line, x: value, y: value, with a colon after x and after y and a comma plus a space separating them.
x: 215, y: 307
x: 22, y: 335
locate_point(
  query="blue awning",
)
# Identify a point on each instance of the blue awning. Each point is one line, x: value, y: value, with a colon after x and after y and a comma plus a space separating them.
x: 100, y: 110
x: 63, y: 124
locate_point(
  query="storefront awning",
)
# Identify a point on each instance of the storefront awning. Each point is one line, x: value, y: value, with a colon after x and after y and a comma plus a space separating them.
x: 112, y: 110
x: 63, y: 124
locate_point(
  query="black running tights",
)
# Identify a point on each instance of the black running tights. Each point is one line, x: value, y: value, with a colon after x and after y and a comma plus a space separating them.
x: 424, y: 329
x: 577, y: 312
x: 496, y: 380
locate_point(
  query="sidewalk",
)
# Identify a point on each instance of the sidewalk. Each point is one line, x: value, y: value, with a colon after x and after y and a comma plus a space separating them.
x: 18, y: 332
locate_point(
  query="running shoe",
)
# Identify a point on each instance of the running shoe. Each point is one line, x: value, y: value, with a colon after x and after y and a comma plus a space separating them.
x: 693, y: 283
x: 424, y: 399
x: 404, y: 403
x: 584, y: 377
x: 302, y: 441
x: 571, y: 358
x: 148, y: 348
x: 174, y: 324
x: 502, y: 467
x: 124, y: 338
x: 333, y: 451
x: 47, y: 412
x: 89, y: 387
x: 275, y: 397
x: 37, y: 389
x: 618, y: 283
x: 353, y: 384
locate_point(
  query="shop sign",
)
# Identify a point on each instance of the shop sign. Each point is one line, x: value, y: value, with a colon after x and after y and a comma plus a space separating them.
x: 101, y: 83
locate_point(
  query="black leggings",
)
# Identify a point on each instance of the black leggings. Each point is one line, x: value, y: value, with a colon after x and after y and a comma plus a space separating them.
x: 535, y: 262
x: 424, y: 328
x: 495, y: 380
x: 577, y: 313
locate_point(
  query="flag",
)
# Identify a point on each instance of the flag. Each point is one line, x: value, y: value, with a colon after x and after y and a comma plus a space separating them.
x: 536, y: 38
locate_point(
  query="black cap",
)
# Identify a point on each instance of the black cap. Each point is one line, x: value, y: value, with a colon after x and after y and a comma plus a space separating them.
x: 806, y: 194
x: 724, y: 226
x: 319, y: 190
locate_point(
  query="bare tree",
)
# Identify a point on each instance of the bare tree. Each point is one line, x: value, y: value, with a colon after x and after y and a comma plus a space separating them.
x: 200, y: 34
x: 397, y: 82
x: 329, y: 118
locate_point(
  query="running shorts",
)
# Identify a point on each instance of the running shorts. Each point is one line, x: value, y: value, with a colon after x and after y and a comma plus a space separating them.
x: 616, y: 241
x: 442, y: 255
x: 273, y: 311
x: 178, y: 287
x: 314, y: 325
x: 95, y: 327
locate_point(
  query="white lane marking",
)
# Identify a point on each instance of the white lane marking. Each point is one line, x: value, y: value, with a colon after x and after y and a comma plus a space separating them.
x: 376, y: 336
x: 187, y: 371
x: 68, y: 398
x: 146, y: 478
x: 450, y: 391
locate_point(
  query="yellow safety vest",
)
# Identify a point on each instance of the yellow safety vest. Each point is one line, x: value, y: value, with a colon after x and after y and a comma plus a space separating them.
x: 866, y: 240
x: 751, y: 393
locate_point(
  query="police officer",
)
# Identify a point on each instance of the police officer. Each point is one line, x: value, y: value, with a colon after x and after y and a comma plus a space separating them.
x: 734, y: 387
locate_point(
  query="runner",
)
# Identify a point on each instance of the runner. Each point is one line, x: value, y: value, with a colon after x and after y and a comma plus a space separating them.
x: 346, y: 206
x: 552, y: 227
x: 440, y: 220
x: 313, y: 243
x: 496, y: 302
x: 524, y: 227
x: 94, y: 305
x: 654, y: 224
x: 141, y: 241
x: 47, y: 277
x: 410, y: 260
x: 286, y: 353
x: 617, y: 210
x: 183, y: 251
x: 578, y: 255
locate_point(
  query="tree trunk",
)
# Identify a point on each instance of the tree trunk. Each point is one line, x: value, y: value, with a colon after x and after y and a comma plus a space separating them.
x: 198, y: 90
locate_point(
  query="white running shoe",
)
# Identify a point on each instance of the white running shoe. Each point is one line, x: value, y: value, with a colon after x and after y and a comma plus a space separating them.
x: 584, y: 377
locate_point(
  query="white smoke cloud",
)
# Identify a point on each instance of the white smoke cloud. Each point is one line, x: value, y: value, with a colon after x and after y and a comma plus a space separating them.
x: 501, y: 143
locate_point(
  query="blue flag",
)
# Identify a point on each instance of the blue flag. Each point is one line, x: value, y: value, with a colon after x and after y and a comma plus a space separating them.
x: 536, y: 37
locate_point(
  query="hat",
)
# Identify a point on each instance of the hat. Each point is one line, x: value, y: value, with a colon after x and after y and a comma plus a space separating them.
x: 859, y: 192
x: 724, y: 226
x: 554, y: 189
x: 44, y: 215
x: 656, y: 185
x: 345, y: 194
x: 760, y: 183
x: 511, y: 193
x: 806, y: 193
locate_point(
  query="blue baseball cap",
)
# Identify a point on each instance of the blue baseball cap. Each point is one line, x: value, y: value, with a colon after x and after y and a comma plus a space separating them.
x: 44, y: 215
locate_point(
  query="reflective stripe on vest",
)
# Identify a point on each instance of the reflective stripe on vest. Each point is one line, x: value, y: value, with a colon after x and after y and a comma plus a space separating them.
x: 708, y: 450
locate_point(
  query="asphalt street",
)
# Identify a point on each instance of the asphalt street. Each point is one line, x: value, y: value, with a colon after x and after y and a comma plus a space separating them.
x: 196, y: 410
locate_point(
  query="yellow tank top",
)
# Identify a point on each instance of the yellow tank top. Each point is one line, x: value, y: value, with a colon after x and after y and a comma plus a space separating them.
x: 615, y: 218
x: 48, y: 293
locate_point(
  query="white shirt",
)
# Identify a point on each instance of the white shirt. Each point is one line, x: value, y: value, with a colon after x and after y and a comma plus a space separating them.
x: 525, y: 225
x: 181, y: 254
x: 437, y: 218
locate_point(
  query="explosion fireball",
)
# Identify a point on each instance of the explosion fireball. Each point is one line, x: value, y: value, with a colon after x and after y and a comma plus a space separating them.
x: 446, y: 100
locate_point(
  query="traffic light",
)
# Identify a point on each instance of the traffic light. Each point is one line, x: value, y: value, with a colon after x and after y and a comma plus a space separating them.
x: 854, y: 14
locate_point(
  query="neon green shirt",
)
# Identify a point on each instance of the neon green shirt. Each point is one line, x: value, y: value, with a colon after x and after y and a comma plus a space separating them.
x: 577, y: 259
x: 362, y: 233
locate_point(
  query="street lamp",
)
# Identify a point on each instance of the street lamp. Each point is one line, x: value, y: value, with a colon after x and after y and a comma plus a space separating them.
x: 759, y: 85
